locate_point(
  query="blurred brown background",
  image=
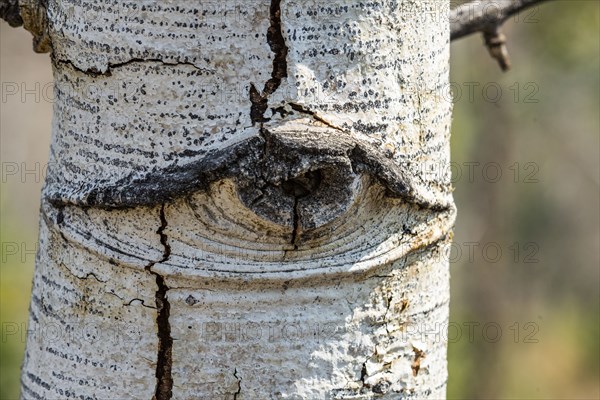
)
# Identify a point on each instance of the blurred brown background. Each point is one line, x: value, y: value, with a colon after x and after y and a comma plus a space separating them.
x: 526, y: 257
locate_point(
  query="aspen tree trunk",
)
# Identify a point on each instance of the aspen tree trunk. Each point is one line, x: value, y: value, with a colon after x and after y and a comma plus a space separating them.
x: 246, y: 200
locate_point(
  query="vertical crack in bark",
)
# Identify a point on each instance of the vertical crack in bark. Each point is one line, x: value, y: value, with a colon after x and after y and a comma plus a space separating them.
x: 295, y: 223
x: 164, y: 379
x: 299, y: 187
x: 163, y: 237
x: 239, y: 382
x: 260, y: 101
x: 419, y: 108
x: 387, y: 310
x: 363, y: 372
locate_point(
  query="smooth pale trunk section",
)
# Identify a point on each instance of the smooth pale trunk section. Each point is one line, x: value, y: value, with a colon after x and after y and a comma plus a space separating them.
x: 220, y: 219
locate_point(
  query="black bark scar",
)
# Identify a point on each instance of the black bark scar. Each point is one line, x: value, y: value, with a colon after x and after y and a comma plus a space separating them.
x: 247, y: 161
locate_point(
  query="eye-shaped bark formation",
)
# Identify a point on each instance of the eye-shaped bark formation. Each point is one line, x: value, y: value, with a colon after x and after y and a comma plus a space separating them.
x: 282, y: 153
x: 296, y: 175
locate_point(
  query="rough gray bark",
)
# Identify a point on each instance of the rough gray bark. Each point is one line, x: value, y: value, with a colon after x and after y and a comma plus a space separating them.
x: 245, y: 202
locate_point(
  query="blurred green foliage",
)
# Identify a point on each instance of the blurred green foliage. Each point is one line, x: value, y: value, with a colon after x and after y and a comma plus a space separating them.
x: 546, y: 120
x: 15, y: 285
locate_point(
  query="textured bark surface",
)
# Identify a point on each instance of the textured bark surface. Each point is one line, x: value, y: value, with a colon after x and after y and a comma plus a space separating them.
x: 246, y: 201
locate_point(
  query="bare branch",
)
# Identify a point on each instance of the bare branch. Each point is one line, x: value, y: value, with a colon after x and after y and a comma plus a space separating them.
x: 9, y: 11
x: 482, y: 16
x: 495, y: 41
x: 487, y: 17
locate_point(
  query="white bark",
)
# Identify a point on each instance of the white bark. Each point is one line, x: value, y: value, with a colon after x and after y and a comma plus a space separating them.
x: 242, y: 202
